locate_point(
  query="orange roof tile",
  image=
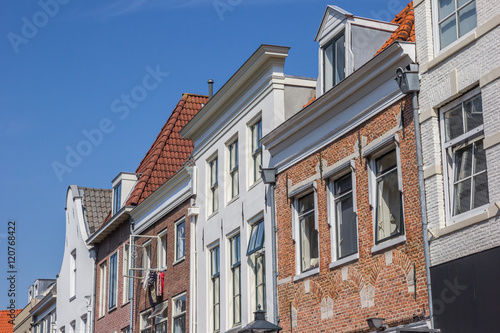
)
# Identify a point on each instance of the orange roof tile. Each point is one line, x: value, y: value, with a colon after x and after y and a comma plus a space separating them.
x: 5, y: 327
x: 406, y: 30
x: 168, y: 152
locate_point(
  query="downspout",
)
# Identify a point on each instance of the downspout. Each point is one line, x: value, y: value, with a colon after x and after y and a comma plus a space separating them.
x: 92, y: 322
x: 130, y: 273
x: 193, y: 328
x: 423, y: 206
x: 274, y: 229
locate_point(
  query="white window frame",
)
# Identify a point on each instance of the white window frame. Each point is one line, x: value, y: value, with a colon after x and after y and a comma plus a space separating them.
x: 255, y: 152
x: 126, y: 266
x: 436, y: 32
x: 233, y: 173
x: 161, y: 246
x: 296, y: 195
x: 146, y: 255
x: 471, y: 136
x: 212, y: 277
x: 174, y: 309
x: 103, y: 269
x: 115, y: 287
x: 386, y: 146
x: 336, y: 37
x: 73, y: 267
x: 342, y: 171
x: 162, y: 317
x: 213, y: 185
x: 177, y: 257
x: 143, y: 322
x: 84, y: 324
x: 232, y: 268
x: 117, y: 196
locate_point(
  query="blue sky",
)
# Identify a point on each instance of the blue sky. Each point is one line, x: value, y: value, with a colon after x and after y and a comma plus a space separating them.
x: 65, y: 70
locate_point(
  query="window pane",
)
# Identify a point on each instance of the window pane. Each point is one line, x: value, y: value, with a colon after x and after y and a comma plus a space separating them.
x: 328, y: 67
x: 473, y: 113
x: 389, y: 209
x: 467, y: 19
x: 463, y: 160
x: 309, y: 242
x: 446, y: 7
x: 448, y: 31
x: 343, y: 184
x: 453, y: 123
x: 234, y: 184
x: 180, y: 324
x: 306, y: 203
x: 481, y: 190
x: 386, y: 162
x: 181, y: 240
x: 347, y: 242
x: 462, y: 196
x: 256, y: 238
x: 235, y: 250
x: 237, y: 309
x: 260, y: 282
x: 340, y: 60
x: 479, y: 157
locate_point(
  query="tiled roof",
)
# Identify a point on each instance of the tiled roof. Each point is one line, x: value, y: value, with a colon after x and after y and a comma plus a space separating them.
x: 168, y: 152
x: 406, y: 30
x: 5, y: 327
x: 96, y: 203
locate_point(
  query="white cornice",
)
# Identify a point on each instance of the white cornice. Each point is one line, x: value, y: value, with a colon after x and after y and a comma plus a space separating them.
x: 266, y: 56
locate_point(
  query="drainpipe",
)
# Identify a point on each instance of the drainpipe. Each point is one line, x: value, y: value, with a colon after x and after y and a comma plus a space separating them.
x: 275, y: 254
x: 423, y: 206
x: 408, y: 82
x: 91, y: 320
x: 130, y: 273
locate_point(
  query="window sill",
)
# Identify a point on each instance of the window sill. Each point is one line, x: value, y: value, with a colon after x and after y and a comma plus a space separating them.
x: 344, y: 261
x: 388, y: 244
x: 72, y: 298
x: 255, y: 184
x: 178, y: 261
x: 233, y: 200
x: 212, y: 215
x: 112, y: 309
x: 234, y: 329
x: 468, y: 219
x: 306, y: 274
x: 125, y: 303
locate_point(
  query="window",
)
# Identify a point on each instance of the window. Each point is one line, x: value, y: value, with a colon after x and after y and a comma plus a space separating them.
x: 308, y: 242
x: 215, y: 277
x: 233, y: 168
x: 161, y: 317
x: 346, y: 231
x: 334, y: 62
x: 464, y: 152
x: 72, y: 274
x: 72, y: 327
x: 126, y: 330
x: 256, y: 134
x: 179, y: 313
x: 180, y: 239
x: 145, y: 321
x: 146, y: 255
x: 388, y: 208
x: 455, y: 18
x: 117, y: 195
x: 83, y: 324
x: 127, y: 285
x: 214, y: 186
x: 162, y: 249
x: 257, y: 258
x: 113, y: 275
x: 102, y: 289
x: 236, y: 278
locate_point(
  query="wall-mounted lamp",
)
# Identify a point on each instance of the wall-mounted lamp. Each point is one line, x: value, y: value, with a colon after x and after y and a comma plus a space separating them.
x: 376, y: 324
x: 260, y: 324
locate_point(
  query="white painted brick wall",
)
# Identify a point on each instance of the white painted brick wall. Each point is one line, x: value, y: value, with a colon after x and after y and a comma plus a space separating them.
x: 470, y: 64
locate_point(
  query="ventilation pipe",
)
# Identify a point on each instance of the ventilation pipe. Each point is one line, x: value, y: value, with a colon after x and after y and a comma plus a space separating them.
x: 210, y: 89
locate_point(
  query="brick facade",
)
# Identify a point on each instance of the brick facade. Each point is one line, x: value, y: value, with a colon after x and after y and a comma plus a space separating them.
x: 375, y: 285
x: 176, y: 274
x: 118, y: 318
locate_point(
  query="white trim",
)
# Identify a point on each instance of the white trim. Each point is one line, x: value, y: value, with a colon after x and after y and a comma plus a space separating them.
x: 306, y: 274
x: 389, y: 243
x: 159, y: 249
x: 344, y: 261
x: 181, y: 220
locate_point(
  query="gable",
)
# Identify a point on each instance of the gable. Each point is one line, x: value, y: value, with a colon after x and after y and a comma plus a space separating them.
x: 333, y: 17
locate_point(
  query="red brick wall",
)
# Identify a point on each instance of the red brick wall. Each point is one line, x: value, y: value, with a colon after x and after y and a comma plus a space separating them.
x: 393, y: 300
x: 176, y: 276
x: 119, y: 318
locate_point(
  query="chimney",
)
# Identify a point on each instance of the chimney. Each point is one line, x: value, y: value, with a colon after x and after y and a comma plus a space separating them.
x: 210, y: 89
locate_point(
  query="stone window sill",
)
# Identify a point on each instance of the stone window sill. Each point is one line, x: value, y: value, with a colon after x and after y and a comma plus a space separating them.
x: 306, y: 274
x: 388, y: 244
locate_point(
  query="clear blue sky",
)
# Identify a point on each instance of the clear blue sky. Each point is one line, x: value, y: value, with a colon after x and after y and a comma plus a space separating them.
x: 64, y: 73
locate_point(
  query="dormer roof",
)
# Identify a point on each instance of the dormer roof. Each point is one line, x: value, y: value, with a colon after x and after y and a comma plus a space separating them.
x: 333, y: 16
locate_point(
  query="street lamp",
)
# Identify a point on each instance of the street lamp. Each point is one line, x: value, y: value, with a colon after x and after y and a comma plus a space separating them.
x: 260, y: 324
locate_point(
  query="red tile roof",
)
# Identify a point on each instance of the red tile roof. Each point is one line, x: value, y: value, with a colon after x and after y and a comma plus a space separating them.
x: 5, y: 327
x: 168, y: 152
x: 406, y: 30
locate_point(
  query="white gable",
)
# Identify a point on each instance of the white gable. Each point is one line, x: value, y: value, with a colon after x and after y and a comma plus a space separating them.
x: 333, y: 17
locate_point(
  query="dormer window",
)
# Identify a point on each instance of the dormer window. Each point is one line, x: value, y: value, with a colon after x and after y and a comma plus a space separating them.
x: 334, y: 62
x: 117, y: 191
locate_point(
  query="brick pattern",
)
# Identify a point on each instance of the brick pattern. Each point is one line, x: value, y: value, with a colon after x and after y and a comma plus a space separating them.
x: 176, y: 275
x: 341, y: 299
